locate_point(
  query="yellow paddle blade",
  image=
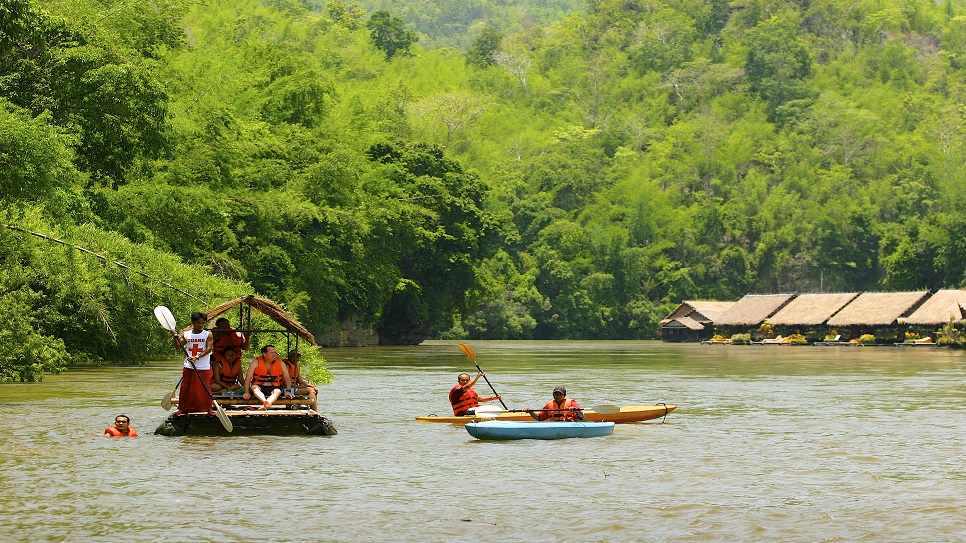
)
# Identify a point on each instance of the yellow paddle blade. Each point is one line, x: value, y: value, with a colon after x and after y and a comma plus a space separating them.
x: 468, y: 351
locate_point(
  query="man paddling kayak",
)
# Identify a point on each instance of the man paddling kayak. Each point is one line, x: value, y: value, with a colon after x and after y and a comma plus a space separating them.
x: 464, y: 398
x: 559, y: 408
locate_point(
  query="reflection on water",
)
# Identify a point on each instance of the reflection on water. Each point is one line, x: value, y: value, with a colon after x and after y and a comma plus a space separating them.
x: 768, y: 443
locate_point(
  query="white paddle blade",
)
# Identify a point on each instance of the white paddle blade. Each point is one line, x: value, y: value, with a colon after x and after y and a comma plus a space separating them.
x: 488, y: 411
x: 606, y: 408
x: 165, y: 318
x: 223, y: 418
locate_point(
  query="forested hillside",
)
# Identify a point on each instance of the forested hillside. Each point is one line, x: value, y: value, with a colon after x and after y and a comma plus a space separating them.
x: 572, y: 178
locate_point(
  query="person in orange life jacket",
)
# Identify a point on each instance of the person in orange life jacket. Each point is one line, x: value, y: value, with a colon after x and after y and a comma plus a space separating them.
x: 464, y: 399
x: 299, y: 385
x: 195, y: 392
x: 224, y: 336
x: 226, y: 372
x: 267, y: 374
x: 560, y: 408
x: 121, y: 428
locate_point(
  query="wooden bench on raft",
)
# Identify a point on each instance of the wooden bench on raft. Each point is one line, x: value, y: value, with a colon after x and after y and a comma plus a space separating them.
x: 225, y: 401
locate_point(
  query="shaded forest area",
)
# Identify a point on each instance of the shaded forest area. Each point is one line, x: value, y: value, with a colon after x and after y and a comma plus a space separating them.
x: 520, y: 170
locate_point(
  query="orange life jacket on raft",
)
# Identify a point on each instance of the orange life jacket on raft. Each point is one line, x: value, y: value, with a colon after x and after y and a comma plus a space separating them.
x: 293, y: 370
x: 227, y: 339
x: 228, y: 372
x: 264, y: 375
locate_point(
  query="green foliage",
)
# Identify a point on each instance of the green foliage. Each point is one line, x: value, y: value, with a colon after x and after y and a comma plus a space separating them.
x: 741, y: 339
x: 103, y: 92
x: 486, y: 44
x: 314, y: 368
x: 84, y: 295
x: 389, y: 36
x: 571, y: 175
x: 37, y: 162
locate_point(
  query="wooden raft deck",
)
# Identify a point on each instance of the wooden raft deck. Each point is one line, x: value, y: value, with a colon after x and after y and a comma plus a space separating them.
x: 285, y: 417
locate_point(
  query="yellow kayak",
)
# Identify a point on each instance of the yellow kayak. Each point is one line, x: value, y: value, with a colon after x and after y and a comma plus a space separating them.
x: 628, y: 413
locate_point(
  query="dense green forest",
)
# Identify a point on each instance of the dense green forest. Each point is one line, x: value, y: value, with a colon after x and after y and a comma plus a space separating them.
x: 487, y: 169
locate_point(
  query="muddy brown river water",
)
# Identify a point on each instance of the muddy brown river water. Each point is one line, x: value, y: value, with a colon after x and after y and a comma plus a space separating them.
x: 768, y: 443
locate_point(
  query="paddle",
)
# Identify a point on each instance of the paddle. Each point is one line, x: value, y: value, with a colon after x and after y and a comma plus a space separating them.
x: 492, y: 410
x: 468, y: 351
x: 166, y: 401
x: 166, y: 319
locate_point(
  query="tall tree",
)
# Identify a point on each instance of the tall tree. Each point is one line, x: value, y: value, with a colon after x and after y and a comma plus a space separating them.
x: 389, y: 36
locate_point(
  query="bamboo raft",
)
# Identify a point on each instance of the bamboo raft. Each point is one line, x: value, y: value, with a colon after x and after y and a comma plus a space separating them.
x: 285, y: 417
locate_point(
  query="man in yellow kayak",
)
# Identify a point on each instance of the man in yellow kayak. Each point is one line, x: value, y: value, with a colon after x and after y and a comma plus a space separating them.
x: 463, y: 398
x: 560, y: 408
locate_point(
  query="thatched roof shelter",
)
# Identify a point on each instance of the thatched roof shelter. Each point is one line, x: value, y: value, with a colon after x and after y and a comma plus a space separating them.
x: 752, y: 309
x: 266, y: 307
x: 701, y: 311
x: 683, y: 322
x: 943, y: 306
x: 878, y: 308
x: 811, y: 309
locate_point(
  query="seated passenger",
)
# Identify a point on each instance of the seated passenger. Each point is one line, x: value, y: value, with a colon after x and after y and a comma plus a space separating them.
x: 301, y: 386
x: 267, y: 375
x: 560, y: 408
x: 463, y: 396
x: 226, y: 372
x: 224, y: 336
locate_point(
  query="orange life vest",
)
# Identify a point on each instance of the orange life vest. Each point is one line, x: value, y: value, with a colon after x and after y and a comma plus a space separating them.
x: 560, y: 415
x: 264, y: 375
x: 463, y: 400
x: 228, y: 339
x: 114, y: 432
x: 227, y: 371
x: 293, y: 370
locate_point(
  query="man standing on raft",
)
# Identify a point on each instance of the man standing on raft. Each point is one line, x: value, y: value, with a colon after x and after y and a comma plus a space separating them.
x: 195, y: 395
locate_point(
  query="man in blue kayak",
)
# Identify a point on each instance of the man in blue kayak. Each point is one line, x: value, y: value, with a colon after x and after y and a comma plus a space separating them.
x: 463, y: 398
x: 560, y: 408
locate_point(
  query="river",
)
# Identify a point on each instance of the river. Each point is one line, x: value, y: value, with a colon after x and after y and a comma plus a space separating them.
x: 768, y: 443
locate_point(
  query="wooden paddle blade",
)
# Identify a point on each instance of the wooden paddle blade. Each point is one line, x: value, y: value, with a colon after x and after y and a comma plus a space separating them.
x: 606, y: 408
x: 165, y: 318
x: 223, y: 418
x: 468, y: 351
x: 166, y: 401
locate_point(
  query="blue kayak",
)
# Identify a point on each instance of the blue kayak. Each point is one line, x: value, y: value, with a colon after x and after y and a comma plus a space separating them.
x: 504, y: 429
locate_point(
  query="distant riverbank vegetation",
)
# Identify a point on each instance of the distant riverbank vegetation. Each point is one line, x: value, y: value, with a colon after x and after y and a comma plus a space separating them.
x: 480, y: 170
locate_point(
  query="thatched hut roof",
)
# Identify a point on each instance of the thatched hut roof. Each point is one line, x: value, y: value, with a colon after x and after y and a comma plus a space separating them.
x: 811, y: 309
x: 682, y: 322
x: 699, y: 310
x: 268, y: 308
x: 939, y: 309
x: 752, y: 309
x: 877, y: 308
